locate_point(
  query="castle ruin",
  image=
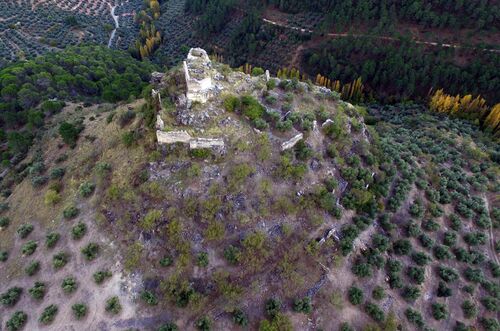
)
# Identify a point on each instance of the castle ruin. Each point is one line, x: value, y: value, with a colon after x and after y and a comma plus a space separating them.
x: 198, y: 73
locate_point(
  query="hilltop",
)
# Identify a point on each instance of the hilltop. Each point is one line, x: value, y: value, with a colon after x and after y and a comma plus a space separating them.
x: 313, y: 213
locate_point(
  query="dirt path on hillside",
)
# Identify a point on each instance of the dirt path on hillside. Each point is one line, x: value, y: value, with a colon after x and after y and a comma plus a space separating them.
x: 343, y: 35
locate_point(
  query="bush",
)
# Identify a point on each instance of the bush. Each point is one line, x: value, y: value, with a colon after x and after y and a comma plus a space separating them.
x: 473, y: 275
x: 70, y: 212
x: 51, y: 239
x: 4, y: 222
x: 69, y: 133
x: 78, y: 231
x: 441, y: 252
x: 29, y: 248
x: 420, y: 258
x: 57, y: 173
x: 231, y: 103
x: 272, y: 307
x: 439, y: 311
x: 168, y: 327
x: 490, y: 324
x: 443, y: 291
x: 251, y: 108
x: 69, y: 285
x: 417, y: 274
x: 257, y: 71
x: 374, y: 312
x: 469, y: 309
x: 17, y: 321
x: 378, y: 293
x: 414, y: 317
x: 204, y: 323
x: 232, y: 254
x: 4, y: 255
x: 101, y: 276
x: 90, y: 251
x: 411, y: 293
x: 11, y: 297
x: 126, y: 117
x: 149, y: 298
x: 32, y: 268
x: 302, y: 305
x: 37, y: 291
x: 113, y: 305
x: 401, y: 247
x: 490, y: 303
x: 166, y: 261
x: 202, y: 259
x: 24, y: 230
x: 48, y: 314
x: 447, y: 274
x: 79, y: 310
x: 59, y: 260
x: 151, y: 219
x: 240, y: 318
x: 52, y: 198
x: 86, y: 189
x: 361, y: 269
x: 355, y: 295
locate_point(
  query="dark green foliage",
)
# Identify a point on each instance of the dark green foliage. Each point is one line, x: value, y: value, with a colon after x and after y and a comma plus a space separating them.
x: 69, y: 285
x: 439, y: 311
x: 16, y: 321
x: 11, y: 296
x: 79, y: 310
x: 426, y: 241
x: 494, y: 268
x: 69, y: 132
x: 420, y: 258
x: 168, y: 327
x: 475, y: 238
x: 70, y: 212
x: 90, y: 251
x: 101, y: 276
x: 4, y: 255
x: 374, y: 312
x: 361, y: 269
x: 450, y: 238
x: 113, y: 305
x: 490, y: 303
x: 345, y: 327
x: 24, y: 230
x: 240, y: 318
x: 4, y: 222
x: 417, y: 274
x: 272, y: 307
x: 86, y: 189
x: 202, y: 259
x: 29, y: 247
x: 442, y: 252
x: 443, y: 290
x: 204, y: 323
x: 59, y: 260
x: 447, y: 274
x: 51, y: 239
x: 149, y: 298
x: 302, y: 305
x: 166, y: 261
x: 37, y: 291
x: 78, y: 231
x: 414, y: 317
x: 378, y: 293
x: 430, y: 225
x: 473, y: 275
x: 232, y: 254
x: 401, y: 247
x: 48, y: 315
x: 32, y: 268
x: 490, y: 324
x: 355, y: 295
x: 469, y: 309
x: 411, y: 293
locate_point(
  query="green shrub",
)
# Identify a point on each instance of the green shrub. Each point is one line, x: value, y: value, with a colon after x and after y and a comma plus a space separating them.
x: 69, y: 133
x: 59, y: 260
x: 29, y: 248
x: 48, y: 315
x: 113, y: 305
x: 52, y: 198
x: 168, y: 327
x: 490, y: 303
x: 69, y: 285
x: 166, y: 261
x: 11, y: 296
x: 355, y: 295
x: 401, y: 247
x: 86, y: 189
x: 78, y: 231
x: 411, y: 293
x: 417, y: 274
x: 37, y: 291
x: 4, y: 222
x: 4, y: 255
x: 447, y: 274
x: 90, y: 251
x: 51, y: 239
x: 414, y: 317
x: 151, y: 219
x: 272, y: 307
x: 490, y: 324
x: 378, y: 293
x: 251, y: 108
x: 149, y: 298
x: 420, y: 258
x: 374, y: 312
x: 32, y: 268
x: 302, y: 305
x: 257, y: 71
x: 101, y: 276
x: 70, y: 212
x: 443, y: 291
x: 231, y: 103
x: 17, y: 321
x: 204, y: 323
x: 271, y: 84
x: 240, y: 318
x: 439, y: 311
x: 79, y: 310
x: 202, y: 259
x: 469, y: 309
x: 128, y: 138
x: 200, y: 153
x: 126, y: 117
x: 57, y: 173
x: 24, y: 230
x: 232, y: 254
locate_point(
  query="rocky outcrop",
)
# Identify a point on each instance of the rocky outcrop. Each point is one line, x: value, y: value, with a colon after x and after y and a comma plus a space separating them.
x: 173, y: 137
x: 206, y: 143
x: 290, y: 143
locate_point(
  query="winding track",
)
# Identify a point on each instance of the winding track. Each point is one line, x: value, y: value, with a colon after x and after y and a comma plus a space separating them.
x: 117, y: 24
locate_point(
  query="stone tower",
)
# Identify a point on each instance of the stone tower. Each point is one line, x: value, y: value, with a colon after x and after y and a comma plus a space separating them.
x: 198, y: 73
